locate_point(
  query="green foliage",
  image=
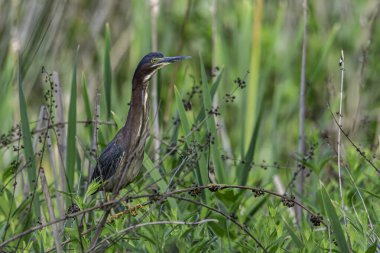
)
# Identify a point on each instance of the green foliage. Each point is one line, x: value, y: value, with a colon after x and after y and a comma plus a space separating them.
x: 156, y: 176
x: 335, y: 221
x: 86, y: 102
x: 71, y: 133
x: 211, y: 128
x: 28, y: 148
x: 236, y: 124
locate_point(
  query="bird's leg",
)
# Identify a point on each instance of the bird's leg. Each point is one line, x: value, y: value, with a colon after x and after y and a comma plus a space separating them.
x: 133, y: 210
x: 117, y: 215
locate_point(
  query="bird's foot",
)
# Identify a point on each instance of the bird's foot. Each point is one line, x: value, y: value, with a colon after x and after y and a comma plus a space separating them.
x: 133, y: 210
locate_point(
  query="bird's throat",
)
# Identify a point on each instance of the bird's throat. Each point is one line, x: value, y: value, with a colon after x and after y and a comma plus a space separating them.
x: 138, y: 115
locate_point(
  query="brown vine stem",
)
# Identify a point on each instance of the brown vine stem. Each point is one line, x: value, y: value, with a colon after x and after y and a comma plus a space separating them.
x: 162, y: 196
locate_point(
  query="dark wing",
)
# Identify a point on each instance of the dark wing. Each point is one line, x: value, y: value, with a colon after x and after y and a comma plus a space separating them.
x: 108, y: 162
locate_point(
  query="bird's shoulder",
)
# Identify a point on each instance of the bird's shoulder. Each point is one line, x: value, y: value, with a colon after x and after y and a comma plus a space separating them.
x: 113, y: 150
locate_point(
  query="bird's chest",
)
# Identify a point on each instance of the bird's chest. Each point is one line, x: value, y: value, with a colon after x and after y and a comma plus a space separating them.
x: 137, y: 122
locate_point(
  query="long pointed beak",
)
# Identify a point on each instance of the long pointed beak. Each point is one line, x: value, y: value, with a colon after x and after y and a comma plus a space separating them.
x: 172, y: 59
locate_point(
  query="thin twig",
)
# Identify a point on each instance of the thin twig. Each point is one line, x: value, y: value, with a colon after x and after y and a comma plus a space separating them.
x: 341, y: 64
x: 98, y: 231
x: 361, y: 153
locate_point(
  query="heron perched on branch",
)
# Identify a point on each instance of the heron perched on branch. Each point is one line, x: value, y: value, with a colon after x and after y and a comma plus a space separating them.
x: 121, y: 161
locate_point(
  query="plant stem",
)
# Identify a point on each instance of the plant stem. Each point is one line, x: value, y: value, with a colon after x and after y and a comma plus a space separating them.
x: 341, y: 63
x: 301, y: 136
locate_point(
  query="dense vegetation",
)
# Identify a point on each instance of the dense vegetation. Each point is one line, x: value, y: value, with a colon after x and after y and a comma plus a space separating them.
x: 223, y: 171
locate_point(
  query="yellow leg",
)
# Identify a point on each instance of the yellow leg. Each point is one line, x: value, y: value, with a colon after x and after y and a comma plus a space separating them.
x: 133, y: 210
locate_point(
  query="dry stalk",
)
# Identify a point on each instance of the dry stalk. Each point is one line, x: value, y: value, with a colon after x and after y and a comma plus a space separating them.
x: 50, y: 208
x: 301, y: 137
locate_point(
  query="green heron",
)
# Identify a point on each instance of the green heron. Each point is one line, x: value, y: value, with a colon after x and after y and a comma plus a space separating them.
x: 121, y: 160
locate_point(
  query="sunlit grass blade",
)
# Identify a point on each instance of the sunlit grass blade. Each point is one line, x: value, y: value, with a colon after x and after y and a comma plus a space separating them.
x: 207, y: 101
x: 92, y: 188
x: 255, y: 58
x: 71, y: 155
x: 6, y: 80
x: 118, y: 121
x: 335, y: 221
x: 107, y: 70
x: 28, y: 147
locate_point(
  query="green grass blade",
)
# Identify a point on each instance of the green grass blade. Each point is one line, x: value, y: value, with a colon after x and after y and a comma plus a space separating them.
x: 214, y: 88
x: 243, y: 169
x: 185, y: 124
x: 118, y: 121
x: 370, y: 193
x: 71, y: 132
x: 182, y: 112
x: 372, y: 248
x: 28, y: 147
x: 297, y: 241
x: 107, y: 70
x: 326, y: 50
x: 334, y: 219
x: 86, y: 101
x: 216, y: 83
x: 207, y: 101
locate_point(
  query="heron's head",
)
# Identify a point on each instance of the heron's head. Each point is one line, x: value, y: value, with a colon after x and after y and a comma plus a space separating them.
x: 152, y: 62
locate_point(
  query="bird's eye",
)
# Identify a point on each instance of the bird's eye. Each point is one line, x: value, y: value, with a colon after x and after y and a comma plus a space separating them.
x: 153, y: 60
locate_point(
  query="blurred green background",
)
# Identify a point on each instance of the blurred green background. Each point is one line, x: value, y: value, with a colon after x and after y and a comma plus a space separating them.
x: 269, y: 46
x: 257, y: 41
